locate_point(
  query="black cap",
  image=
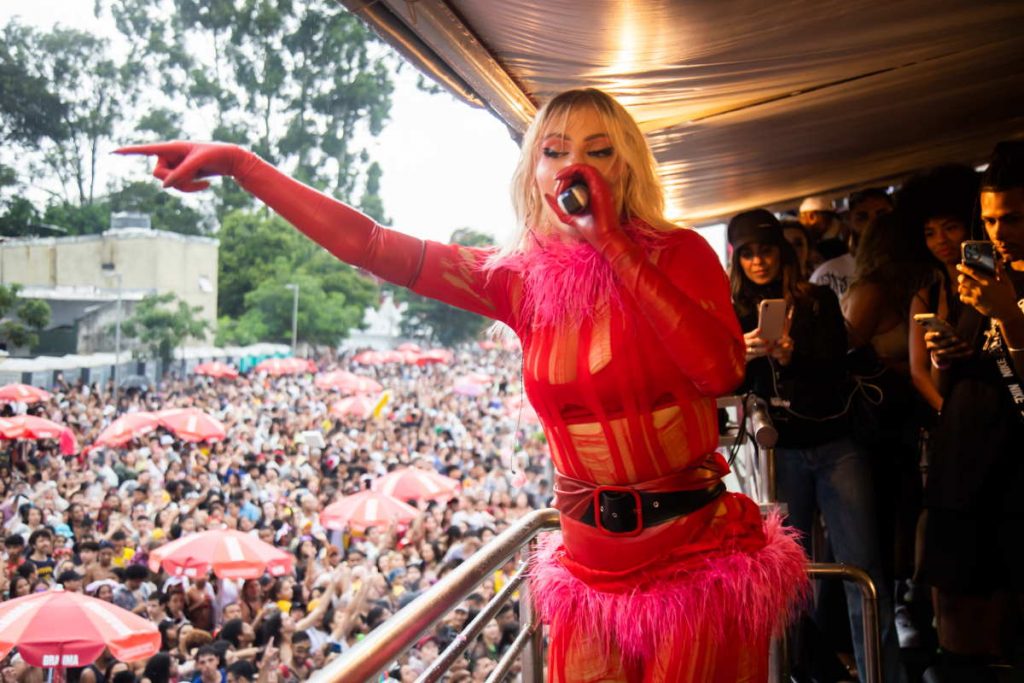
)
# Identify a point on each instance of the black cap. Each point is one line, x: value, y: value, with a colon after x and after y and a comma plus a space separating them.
x: 757, y: 225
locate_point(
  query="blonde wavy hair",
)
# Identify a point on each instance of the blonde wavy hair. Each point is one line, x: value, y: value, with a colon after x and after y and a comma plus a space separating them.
x: 639, y: 191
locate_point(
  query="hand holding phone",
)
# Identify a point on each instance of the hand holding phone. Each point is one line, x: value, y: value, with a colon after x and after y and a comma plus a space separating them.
x: 771, y: 319
x: 933, y: 323
x: 979, y: 256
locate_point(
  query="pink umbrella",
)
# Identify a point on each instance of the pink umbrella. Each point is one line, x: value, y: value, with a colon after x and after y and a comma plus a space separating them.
x: 435, y: 356
x: 30, y: 427
x: 189, y: 424
x: 216, y: 369
x: 409, y: 346
x: 359, y: 406
x: 479, y: 378
x: 519, y: 409
x: 23, y: 393
x: 413, y: 483
x: 127, y: 427
x: 369, y: 358
x: 464, y: 387
x: 362, y: 510
x: 231, y: 554
x: 58, y: 629
x: 348, y: 383
x: 285, y: 366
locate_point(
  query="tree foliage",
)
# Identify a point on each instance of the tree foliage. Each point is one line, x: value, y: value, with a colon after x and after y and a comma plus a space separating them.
x: 88, y: 93
x: 293, y: 81
x: 160, y: 326
x: 259, y: 255
x: 436, y: 322
x: 21, y: 320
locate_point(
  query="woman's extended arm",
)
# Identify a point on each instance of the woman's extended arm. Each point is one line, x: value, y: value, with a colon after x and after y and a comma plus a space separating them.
x: 450, y: 272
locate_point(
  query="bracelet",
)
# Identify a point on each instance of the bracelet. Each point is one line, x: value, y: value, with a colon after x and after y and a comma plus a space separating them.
x: 936, y: 364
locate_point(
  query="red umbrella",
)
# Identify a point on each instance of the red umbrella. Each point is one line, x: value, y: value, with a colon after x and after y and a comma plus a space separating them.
x: 216, y: 369
x: 127, y: 427
x: 362, y: 510
x: 30, y: 427
x: 348, y: 383
x: 413, y: 483
x: 59, y: 629
x: 231, y: 554
x: 23, y: 393
x: 285, y: 366
x: 435, y: 356
x: 409, y: 346
x: 360, y: 406
x: 189, y: 424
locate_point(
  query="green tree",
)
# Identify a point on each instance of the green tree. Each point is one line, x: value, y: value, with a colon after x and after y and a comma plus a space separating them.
x: 293, y: 81
x: 259, y: 254
x: 21, y: 320
x: 436, y: 322
x: 161, y: 323
x: 93, y: 89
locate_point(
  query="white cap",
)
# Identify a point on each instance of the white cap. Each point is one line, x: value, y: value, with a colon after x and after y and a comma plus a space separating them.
x: 816, y: 203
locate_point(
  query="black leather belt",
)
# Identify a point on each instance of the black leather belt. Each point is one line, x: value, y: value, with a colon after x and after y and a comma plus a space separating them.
x: 624, y: 511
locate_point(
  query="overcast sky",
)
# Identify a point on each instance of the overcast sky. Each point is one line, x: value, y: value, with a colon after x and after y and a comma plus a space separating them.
x: 446, y: 165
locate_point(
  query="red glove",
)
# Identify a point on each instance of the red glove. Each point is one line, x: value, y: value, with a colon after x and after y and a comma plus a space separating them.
x: 601, y: 222
x: 350, y: 235
x: 687, y: 304
x: 179, y: 163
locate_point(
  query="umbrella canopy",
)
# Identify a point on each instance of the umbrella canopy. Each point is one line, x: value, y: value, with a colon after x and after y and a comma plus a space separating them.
x: 380, y: 357
x: 435, y: 356
x: 413, y: 483
x: 231, y: 554
x: 409, y: 346
x: 189, y: 424
x: 30, y: 427
x: 285, y: 366
x: 61, y: 629
x: 362, y: 510
x: 23, y: 393
x: 359, y: 406
x: 466, y: 388
x: 127, y: 427
x: 348, y: 383
x: 216, y: 369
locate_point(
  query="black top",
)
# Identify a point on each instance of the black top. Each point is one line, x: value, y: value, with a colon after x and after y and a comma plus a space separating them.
x: 977, y: 447
x: 807, y: 398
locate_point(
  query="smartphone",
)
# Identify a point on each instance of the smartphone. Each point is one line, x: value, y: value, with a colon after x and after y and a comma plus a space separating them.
x: 979, y: 255
x: 934, y: 323
x: 771, y: 319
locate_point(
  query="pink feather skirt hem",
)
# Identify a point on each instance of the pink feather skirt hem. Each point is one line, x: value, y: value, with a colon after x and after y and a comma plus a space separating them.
x: 751, y: 595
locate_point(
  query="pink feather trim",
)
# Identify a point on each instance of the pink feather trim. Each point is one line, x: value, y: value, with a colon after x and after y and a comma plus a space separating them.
x: 749, y: 595
x: 567, y: 281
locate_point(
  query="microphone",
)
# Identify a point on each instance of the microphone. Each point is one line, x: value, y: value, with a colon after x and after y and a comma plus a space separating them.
x: 574, y: 199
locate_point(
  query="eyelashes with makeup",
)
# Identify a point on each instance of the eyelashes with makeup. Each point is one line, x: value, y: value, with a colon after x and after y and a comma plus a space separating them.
x: 602, y: 153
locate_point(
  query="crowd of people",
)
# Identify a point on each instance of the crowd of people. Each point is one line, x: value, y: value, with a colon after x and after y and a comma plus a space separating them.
x: 894, y: 360
x: 88, y: 523
x: 895, y: 388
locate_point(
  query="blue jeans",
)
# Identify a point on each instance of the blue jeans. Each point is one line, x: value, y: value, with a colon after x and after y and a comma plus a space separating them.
x: 835, y: 478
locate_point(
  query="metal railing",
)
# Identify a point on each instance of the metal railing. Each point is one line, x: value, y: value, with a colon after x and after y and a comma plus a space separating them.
x: 383, y: 645
x: 375, y: 653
